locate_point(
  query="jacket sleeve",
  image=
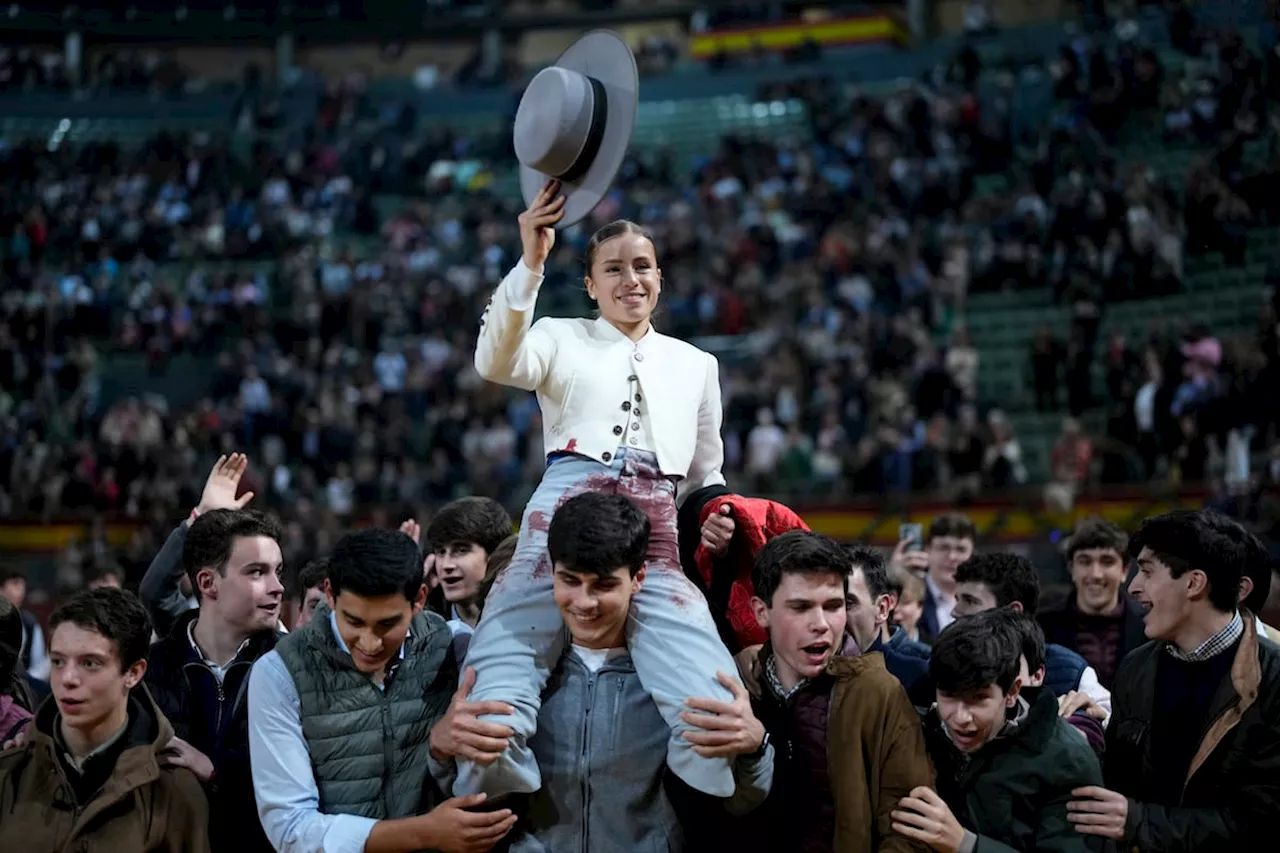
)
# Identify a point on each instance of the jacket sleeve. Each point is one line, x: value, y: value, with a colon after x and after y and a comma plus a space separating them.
x: 689, y: 526
x: 1090, y: 686
x: 1246, y: 823
x: 904, y: 766
x: 11, y: 763
x: 160, y: 590
x: 1056, y: 834
x: 1182, y: 830
x: 753, y: 778
x: 512, y: 349
x: 187, y: 816
x: 708, y: 452
x: 1092, y: 731
x: 984, y: 844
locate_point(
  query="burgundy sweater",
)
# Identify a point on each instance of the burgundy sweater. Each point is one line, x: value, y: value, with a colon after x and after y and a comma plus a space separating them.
x: 12, y: 715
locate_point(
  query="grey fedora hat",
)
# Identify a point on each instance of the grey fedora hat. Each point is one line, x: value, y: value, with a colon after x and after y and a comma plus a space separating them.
x: 575, y: 121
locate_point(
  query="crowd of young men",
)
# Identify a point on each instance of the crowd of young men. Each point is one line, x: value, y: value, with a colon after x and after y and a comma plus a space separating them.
x: 1130, y: 712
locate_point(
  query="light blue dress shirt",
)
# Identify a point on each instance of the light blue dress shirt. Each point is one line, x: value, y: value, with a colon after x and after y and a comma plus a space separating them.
x: 283, y: 782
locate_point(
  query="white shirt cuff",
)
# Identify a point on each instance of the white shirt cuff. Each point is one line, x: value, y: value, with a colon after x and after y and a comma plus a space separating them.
x: 347, y: 833
x: 522, y: 286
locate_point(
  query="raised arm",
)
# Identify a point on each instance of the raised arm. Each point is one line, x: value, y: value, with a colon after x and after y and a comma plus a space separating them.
x: 511, y: 350
x: 161, y: 586
x: 708, y: 455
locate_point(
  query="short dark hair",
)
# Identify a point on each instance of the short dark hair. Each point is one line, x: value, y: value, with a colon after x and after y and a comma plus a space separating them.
x: 376, y: 562
x: 116, y: 614
x: 12, y: 573
x: 597, y: 533
x: 873, y: 569
x: 1032, y: 639
x: 499, y: 559
x: 12, y: 635
x: 953, y: 524
x: 1009, y: 577
x: 213, y: 536
x: 312, y: 575
x: 797, y: 552
x: 1187, y: 539
x: 1255, y: 560
x: 1097, y: 533
x: 478, y: 521
x: 976, y: 652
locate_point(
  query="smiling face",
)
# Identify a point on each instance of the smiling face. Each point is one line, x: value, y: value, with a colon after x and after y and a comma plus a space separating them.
x: 1169, y: 602
x: 625, y: 281
x: 248, y: 592
x: 806, y: 622
x: 373, y: 627
x: 595, y: 607
x: 1098, y: 574
x: 461, y: 567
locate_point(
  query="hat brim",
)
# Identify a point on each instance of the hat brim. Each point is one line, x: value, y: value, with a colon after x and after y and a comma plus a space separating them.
x: 604, y: 55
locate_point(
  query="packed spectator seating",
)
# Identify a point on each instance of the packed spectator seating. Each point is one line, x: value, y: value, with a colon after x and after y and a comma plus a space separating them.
x: 908, y: 284
x: 253, y: 366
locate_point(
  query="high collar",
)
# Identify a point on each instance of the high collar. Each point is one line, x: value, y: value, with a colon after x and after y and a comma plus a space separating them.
x: 179, y: 649
x: 896, y: 639
x: 768, y: 667
x: 610, y: 332
x: 146, y: 726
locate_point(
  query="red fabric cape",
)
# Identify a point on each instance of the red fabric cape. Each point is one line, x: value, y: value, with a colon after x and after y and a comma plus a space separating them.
x: 757, y: 521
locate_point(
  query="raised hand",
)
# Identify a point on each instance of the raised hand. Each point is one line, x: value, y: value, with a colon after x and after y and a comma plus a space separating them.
x: 220, y: 488
x: 413, y: 530
x: 430, y: 576
x: 904, y: 557
x: 537, y: 225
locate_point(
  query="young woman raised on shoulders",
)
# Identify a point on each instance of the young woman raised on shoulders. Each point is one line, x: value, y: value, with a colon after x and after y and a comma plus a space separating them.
x: 624, y: 410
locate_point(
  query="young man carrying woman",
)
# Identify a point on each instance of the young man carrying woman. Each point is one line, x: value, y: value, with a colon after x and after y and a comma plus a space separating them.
x: 625, y: 411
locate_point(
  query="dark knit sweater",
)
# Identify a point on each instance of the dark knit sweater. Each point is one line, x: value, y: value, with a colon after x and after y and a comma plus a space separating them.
x: 1184, y: 694
x: 1098, y: 640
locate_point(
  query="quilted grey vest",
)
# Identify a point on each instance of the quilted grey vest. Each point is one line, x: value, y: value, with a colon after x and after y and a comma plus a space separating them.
x: 369, y: 747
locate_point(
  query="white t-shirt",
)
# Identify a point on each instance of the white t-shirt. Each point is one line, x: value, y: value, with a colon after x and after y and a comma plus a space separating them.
x: 595, y: 659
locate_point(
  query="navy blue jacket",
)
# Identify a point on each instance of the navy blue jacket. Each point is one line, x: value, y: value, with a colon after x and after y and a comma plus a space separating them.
x: 1062, y: 669
x: 908, y: 661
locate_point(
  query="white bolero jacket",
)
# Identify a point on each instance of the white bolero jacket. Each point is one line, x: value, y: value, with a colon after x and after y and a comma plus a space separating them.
x: 586, y: 373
